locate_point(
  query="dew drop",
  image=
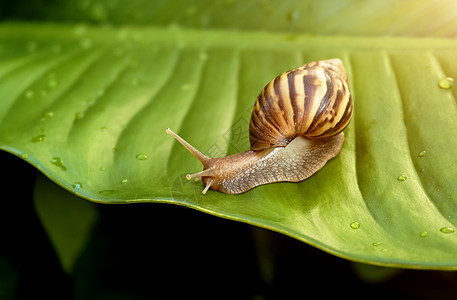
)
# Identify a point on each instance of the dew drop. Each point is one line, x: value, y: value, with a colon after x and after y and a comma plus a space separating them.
x: 91, y: 170
x: 402, y: 177
x: 422, y: 170
x: 52, y: 82
x: 125, y: 180
x: 48, y: 115
x: 376, y: 244
x: 38, y: 138
x: 141, y: 157
x: 102, y: 169
x: 57, y: 161
x: 355, y: 225
x: 77, y: 185
x: 447, y: 230
x: 446, y: 83
x: 24, y: 155
x: 203, y: 56
x: 422, y: 153
x: 29, y: 94
x: 106, y: 192
x: 424, y: 234
x: 383, y: 250
x: 78, y: 116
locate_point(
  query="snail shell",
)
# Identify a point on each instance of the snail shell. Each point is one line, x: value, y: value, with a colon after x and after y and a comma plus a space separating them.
x: 296, y: 127
x: 312, y: 101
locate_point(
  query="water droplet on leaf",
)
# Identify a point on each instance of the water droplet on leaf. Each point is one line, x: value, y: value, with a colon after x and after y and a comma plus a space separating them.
x: 52, y: 82
x: 424, y: 234
x: 77, y: 185
x: 106, y: 192
x: 29, y: 94
x: 57, y: 161
x: 422, y: 153
x: 402, y: 178
x: 38, y: 138
x: 49, y: 114
x: 376, y: 244
x: 78, y: 116
x: 141, y: 157
x: 355, y: 225
x: 125, y: 180
x: 446, y: 83
x: 203, y: 56
x: 447, y: 230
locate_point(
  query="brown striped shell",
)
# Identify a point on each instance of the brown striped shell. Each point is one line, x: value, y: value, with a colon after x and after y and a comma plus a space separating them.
x: 312, y: 101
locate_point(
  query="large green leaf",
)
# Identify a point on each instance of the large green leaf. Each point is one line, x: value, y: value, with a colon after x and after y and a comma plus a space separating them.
x: 89, y: 107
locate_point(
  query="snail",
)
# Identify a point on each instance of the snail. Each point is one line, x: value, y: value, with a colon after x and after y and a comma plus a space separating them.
x: 296, y: 127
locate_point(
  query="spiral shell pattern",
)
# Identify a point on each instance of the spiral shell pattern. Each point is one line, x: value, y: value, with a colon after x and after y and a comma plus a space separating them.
x: 313, y: 101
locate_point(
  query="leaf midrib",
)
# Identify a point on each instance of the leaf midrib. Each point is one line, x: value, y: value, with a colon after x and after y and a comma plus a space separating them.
x: 202, y: 38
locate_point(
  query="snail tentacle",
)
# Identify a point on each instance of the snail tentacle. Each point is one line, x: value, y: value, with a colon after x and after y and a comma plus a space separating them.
x: 208, y: 185
x: 197, y: 176
x: 200, y: 156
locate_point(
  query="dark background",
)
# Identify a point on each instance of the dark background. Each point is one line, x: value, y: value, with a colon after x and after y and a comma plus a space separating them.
x: 156, y: 251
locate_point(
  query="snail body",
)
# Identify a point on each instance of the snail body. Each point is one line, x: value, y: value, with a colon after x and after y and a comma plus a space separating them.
x: 296, y: 127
